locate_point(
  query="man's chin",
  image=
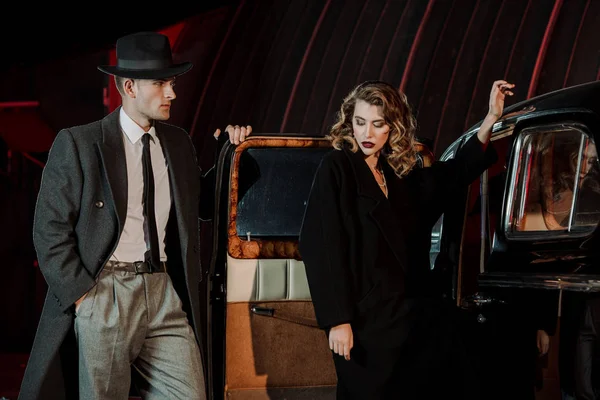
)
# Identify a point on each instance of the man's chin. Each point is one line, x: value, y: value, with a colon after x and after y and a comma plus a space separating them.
x: 163, y: 116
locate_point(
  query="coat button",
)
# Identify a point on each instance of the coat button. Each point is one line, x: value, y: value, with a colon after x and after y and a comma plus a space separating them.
x: 99, y: 204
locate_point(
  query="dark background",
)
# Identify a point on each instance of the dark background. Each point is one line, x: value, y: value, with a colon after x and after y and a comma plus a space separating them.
x: 280, y: 66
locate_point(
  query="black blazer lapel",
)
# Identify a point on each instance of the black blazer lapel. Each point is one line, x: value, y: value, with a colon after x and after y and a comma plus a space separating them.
x: 112, y: 153
x: 380, y: 210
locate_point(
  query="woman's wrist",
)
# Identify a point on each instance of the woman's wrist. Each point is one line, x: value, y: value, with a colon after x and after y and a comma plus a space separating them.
x: 491, y: 117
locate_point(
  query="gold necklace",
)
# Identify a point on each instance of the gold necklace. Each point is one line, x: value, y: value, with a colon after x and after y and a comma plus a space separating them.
x: 382, y: 177
x: 383, y: 185
x: 380, y: 172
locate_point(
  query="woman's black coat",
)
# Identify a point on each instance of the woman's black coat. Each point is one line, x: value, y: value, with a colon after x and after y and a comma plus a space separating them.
x: 360, y: 248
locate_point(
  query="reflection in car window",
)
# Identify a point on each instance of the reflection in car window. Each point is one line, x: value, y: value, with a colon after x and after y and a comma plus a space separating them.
x: 556, y: 182
x: 274, y: 184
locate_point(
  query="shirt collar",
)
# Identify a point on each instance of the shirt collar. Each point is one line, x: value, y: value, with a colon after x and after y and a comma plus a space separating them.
x: 132, y: 130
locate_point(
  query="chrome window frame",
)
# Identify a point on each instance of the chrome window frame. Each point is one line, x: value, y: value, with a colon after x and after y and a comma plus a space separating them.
x: 509, y: 196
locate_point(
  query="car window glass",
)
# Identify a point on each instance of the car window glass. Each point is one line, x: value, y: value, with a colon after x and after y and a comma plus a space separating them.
x: 274, y: 184
x: 556, y: 182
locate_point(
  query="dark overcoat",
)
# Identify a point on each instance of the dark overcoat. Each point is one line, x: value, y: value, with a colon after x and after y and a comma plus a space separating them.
x: 79, y: 217
x: 367, y: 257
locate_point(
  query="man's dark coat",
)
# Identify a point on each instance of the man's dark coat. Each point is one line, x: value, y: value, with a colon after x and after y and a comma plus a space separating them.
x: 79, y: 217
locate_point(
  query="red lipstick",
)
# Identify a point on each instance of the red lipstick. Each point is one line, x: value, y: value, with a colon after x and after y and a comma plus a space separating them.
x: 368, y: 145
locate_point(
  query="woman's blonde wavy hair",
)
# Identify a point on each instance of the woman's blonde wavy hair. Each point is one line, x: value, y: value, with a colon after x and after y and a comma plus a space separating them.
x: 399, y: 151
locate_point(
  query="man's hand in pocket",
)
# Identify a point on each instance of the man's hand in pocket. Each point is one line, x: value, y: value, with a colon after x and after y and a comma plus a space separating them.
x: 78, y: 301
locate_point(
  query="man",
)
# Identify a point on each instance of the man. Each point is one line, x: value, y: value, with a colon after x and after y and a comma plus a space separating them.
x: 116, y: 233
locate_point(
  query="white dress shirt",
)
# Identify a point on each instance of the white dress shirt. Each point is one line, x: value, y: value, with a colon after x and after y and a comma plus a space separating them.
x: 133, y: 242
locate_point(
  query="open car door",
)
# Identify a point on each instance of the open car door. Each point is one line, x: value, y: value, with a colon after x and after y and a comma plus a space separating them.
x: 263, y: 341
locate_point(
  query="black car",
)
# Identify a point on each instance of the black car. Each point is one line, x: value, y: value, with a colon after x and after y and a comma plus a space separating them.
x: 521, y: 246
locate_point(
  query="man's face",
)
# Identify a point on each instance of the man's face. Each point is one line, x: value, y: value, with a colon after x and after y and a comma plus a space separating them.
x: 153, y: 97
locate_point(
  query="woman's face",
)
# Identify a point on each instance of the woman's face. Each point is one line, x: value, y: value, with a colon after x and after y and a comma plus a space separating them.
x: 590, y: 159
x: 369, y: 128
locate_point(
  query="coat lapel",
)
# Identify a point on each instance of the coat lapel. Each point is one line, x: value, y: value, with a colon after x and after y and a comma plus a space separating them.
x: 112, y: 153
x: 176, y: 183
x: 380, y: 209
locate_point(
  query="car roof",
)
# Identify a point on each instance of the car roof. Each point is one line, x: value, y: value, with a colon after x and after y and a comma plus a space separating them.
x: 584, y: 96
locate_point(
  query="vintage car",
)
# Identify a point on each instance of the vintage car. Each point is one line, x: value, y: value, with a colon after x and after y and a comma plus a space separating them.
x: 523, y: 239
x: 524, y: 232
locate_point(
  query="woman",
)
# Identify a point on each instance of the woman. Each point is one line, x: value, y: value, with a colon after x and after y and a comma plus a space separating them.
x: 365, y: 243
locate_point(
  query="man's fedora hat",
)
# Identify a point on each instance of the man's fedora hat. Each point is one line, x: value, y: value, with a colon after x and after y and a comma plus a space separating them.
x: 145, y: 55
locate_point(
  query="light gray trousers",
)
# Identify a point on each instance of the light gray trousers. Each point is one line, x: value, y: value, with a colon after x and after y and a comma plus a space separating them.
x: 136, y: 320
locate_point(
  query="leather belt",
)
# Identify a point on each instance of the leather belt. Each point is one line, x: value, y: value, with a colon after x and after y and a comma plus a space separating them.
x: 138, y: 267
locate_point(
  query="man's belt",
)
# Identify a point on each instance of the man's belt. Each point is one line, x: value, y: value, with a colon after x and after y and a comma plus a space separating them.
x: 138, y: 267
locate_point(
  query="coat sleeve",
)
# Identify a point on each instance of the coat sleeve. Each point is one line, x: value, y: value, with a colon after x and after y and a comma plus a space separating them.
x: 324, y: 247
x: 444, y: 178
x: 208, y: 175
x: 56, y: 214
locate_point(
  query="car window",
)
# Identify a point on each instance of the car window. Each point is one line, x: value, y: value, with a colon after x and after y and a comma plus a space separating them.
x: 274, y: 184
x: 555, y: 186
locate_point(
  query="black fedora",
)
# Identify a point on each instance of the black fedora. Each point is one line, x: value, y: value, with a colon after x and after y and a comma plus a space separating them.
x: 145, y: 55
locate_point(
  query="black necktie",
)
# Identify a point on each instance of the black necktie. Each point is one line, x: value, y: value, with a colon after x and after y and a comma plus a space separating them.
x: 152, y: 255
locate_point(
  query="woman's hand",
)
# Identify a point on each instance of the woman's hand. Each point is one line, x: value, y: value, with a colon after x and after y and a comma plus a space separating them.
x: 499, y: 91
x: 543, y: 342
x: 341, y: 340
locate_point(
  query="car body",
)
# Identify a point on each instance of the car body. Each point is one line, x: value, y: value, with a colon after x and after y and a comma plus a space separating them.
x: 524, y: 238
